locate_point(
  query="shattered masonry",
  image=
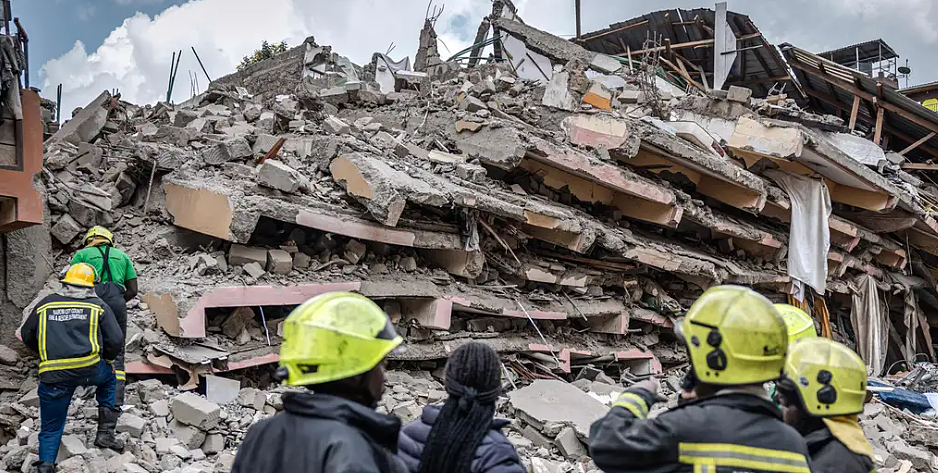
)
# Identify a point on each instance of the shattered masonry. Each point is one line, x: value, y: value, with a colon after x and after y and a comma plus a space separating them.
x: 535, y: 201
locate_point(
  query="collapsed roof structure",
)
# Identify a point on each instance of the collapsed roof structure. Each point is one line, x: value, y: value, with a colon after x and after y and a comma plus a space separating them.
x: 562, y: 201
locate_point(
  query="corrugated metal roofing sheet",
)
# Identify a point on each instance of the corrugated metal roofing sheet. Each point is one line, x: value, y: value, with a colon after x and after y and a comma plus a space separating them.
x: 754, y: 68
x: 832, y: 98
x: 868, y: 50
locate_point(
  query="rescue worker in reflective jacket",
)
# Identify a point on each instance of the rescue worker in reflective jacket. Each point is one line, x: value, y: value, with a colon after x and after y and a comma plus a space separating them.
x: 822, y: 391
x: 334, y: 344
x: 77, y: 338
x: 736, y: 341
x: 117, y: 284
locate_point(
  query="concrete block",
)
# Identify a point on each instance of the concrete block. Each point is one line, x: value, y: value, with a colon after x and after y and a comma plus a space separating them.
x: 159, y: 408
x: 184, y: 117
x: 228, y: 150
x: 131, y: 424
x: 279, y: 262
x: 70, y: 446
x: 739, y: 94
x: 65, y: 229
x: 188, y: 436
x: 605, y: 64
x: 558, y: 401
x: 472, y: 104
x: 277, y: 175
x: 301, y: 261
x: 163, y: 444
x: 535, y: 436
x: 222, y: 390
x: 30, y: 399
x: 214, y: 443
x: 631, y: 96
x: 354, y: 251
x: 253, y: 398
x: 254, y: 270
x: 241, y: 255
x: 336, y: 125
x: 568, y: 443
x: 192, y: 409
x: 383, y: 140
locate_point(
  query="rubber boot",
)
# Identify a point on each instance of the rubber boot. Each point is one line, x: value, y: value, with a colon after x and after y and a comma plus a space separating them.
x: 107, y: 426
x: 44, y: 467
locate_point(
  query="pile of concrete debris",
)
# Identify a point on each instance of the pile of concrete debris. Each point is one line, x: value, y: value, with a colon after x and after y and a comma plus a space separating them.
x: 565, y: 221
x: 901, y: 441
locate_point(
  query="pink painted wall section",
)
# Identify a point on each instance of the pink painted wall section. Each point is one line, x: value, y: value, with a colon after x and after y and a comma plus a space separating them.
x: 193, y: 324
x: 139, y: 367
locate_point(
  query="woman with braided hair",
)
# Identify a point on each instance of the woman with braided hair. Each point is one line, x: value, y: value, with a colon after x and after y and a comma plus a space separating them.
x: 462, y: 435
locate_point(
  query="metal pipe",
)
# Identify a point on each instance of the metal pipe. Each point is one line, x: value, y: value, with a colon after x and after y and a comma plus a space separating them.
x: 24, y: 39
x: 169, y: 85
x: 197, y: 58
x: 58, y: 105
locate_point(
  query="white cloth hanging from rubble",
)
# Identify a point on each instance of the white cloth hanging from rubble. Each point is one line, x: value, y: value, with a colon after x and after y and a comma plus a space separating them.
x: 810, y: 239
x: 868, y: 317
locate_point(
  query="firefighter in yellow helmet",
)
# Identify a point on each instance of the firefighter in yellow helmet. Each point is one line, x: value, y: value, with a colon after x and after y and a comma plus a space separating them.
x: 736, y: 341
x: 822, y: 390
x: 77, y: 338
x: 335, y: 345
x: 799, y: 324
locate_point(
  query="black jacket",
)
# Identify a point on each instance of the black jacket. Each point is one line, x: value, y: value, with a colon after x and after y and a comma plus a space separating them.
x: 730, y: 432
x: 494, y: 454
x: 829, y: 455
x: 319, y: 433
x: 71, y: 336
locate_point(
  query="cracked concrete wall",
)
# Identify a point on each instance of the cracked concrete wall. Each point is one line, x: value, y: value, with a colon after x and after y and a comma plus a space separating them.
x: 24, y: 269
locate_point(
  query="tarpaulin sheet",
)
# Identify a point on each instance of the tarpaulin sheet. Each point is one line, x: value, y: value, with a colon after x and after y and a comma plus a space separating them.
x: 868, y: 317
x: 809, y: 241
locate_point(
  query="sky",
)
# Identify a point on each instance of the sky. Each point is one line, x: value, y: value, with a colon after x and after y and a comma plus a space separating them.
x: 92, y: 45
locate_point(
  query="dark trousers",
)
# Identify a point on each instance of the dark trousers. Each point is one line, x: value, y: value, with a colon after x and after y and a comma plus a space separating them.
x: 113, y: 295
x: 54, y: 399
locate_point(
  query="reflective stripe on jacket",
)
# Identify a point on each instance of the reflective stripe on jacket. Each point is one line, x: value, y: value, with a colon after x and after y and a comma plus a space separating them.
x: 725, y: 433
x: 71, y: 336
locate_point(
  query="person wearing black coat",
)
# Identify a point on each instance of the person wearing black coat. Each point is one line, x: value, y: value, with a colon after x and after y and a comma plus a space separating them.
x: 462, y: 436
x: 335, y: 345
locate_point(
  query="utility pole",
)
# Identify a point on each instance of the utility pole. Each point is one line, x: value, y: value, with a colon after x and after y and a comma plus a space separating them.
x: 577, y: 3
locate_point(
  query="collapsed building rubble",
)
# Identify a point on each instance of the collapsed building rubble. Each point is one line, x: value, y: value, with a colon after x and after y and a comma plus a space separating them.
x: 560, y: 204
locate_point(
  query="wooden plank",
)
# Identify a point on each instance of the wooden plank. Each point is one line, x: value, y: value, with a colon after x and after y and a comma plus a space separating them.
x: 607, y: 33
x: 920, y: 166
x: 917, y: 143
x: 927, y: 124
x: 878, y: 133
x: 888, y: 129
x: 853, y: 111
x: 690, y: 44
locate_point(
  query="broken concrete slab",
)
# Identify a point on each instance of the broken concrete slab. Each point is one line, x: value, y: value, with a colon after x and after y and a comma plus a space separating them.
x: 558, y: 401
x: 228, y: 150
x: 84, y: 127
x: 277, y: 175
x: 557, y: 94
x: 381, y: 188
x: 65, y: 229
x: 336, y: 125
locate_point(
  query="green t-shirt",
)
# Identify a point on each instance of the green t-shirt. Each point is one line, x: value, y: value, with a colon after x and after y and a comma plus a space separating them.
x: 122, y: 269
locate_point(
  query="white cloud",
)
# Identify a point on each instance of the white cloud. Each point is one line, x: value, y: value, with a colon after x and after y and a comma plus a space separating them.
x: 135, y: 57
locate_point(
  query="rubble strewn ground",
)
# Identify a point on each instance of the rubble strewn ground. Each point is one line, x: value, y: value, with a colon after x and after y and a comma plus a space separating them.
x: 561, y: 221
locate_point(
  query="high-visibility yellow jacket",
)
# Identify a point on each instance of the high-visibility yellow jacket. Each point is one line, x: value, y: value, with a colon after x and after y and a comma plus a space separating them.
x: 71, y: 336
x: 732, y: 432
